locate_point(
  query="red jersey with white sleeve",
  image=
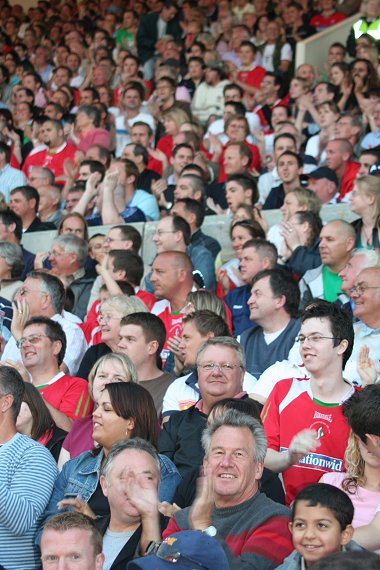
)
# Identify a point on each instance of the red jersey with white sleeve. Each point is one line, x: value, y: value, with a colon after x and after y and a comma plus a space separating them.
x: 68, y: 394
x: 51, y: 160
x: 252, y: 77
x: 172, y: 322
x: 290, y: 409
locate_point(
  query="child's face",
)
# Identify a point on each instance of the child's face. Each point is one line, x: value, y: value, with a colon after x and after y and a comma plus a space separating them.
x: 316, y: 532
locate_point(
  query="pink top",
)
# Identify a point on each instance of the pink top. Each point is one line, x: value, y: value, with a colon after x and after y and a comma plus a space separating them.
x: 96, y: 136
x: 79, y: 438
x: 364, y: 501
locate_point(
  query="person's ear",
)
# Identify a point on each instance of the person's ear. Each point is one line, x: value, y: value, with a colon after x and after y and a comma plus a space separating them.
x: 99, y: 561
x: 290, y: 527
x: 342, y: 346
x: 153, y: 347
x: 347, y: 535
x: 103, y: 484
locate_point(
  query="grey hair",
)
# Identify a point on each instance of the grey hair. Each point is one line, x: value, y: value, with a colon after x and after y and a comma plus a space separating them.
x: 73, y: 244
x: 222, y: 341
x: 137, y: 444
x: 371, y: 256
x: 234, y: 418
x: 12, y: 254
x: 196, y: 183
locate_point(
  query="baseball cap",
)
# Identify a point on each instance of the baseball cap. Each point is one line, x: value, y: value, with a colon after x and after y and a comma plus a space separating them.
x: 324, y: 172
x: 191, y: 549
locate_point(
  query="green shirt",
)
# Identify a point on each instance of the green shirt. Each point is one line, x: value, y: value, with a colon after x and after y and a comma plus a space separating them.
x: 332, y: 284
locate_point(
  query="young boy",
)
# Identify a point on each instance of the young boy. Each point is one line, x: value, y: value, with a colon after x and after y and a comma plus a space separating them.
x: 320, y: 525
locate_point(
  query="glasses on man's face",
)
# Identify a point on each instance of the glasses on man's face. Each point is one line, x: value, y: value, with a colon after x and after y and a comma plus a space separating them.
x: 106, y: 318
x: 56, y: 253
x: 361, y: 288
x: 314, y: 338
x: 31, y: 339
x: 223, y: 367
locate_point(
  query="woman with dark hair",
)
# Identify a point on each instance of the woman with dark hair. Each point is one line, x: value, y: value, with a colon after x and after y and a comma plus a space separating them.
x: 35, y: 421
x: 125, y: 410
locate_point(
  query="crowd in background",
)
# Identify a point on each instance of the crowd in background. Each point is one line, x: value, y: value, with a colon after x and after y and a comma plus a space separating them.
x: 115, y: 112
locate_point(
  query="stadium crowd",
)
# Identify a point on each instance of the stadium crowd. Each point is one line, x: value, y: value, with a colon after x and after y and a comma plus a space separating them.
x: 213, y: 407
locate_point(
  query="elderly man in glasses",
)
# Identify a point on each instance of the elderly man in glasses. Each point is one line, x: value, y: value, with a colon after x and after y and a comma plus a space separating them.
x: 303, y: 419
x: 220, y: 365
x: 362, y: 367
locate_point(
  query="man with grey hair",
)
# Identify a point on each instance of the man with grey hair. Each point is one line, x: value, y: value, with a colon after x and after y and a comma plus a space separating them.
x: 220, y: 365
x: 12, y: 264
x: 252, y: 529
x: 130, y: 480
x: 67, y: 258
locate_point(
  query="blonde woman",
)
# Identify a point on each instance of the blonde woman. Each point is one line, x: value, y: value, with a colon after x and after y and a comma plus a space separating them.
x: 173, y: 120
x: 361, y: 482
x: 111, y: 312
x: 365, y: 202
x: 110, y: 368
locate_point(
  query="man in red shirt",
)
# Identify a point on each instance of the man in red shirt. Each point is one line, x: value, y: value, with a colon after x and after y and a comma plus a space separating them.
x: 303, y: 420
x: 338, y: 158
x: 250, y: 75
x: 42, y: 346
x: 172, y: 280
x: 54, y: 156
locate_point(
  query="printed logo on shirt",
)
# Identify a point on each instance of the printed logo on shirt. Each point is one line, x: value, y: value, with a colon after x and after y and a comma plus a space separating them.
x: 317, y: 461
x: 319, y: 416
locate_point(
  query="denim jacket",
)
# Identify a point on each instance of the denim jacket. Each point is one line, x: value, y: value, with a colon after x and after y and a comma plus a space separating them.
x: 80, y: 477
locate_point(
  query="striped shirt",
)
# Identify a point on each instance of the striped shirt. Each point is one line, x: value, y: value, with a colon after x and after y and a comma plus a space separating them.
x: 27, y: 475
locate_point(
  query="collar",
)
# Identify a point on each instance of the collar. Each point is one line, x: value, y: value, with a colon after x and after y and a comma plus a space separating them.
x: 54, y: 379
x: 366, y: 330
x: 58, y: 150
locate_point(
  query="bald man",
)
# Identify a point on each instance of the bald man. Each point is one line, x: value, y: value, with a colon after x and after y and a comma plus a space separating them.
x: 337, y: 242
x: 339, y: 153
x: 172, y: 280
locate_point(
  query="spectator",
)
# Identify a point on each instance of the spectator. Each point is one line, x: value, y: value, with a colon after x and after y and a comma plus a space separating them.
x: 142, y: 338
x: 233, y: 503
x: 125, y: 410
x: 56, y: 152
x: 338, y: 158
x: 365, y: 202
x: 44, y: 295
x: 66, y: 531
x: 324, y: 182
x: 173, y: 233
x: 66, y: 396
x: 326, y: 340
x: 10, y: 272
x: 11, y: 231
x: 28, y: 472
x: 273, y: 307
x: 337, y: 241
x: 10, y: 177
x: 36, y: 422
x: 257, y: 255
x: 313, y: 503
x: 137, y: 458
x: 193, y: 212
x: 24, y: 202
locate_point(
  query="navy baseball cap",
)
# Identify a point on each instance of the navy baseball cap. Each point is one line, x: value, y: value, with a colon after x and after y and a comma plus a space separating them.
x: 324, y: 172
x: 190, y: 549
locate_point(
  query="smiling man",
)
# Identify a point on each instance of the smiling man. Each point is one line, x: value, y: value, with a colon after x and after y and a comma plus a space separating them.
x: 43, y: 346
x: 304, y: 446
x: 220, y: 365
x: 252, y: 529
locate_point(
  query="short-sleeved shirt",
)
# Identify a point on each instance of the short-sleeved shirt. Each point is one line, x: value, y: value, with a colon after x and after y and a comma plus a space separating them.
x: 291, y: 409
x: 68, y: 394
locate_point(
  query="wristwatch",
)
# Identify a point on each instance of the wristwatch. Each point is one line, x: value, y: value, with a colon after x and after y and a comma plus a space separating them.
x: 210, y: 531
